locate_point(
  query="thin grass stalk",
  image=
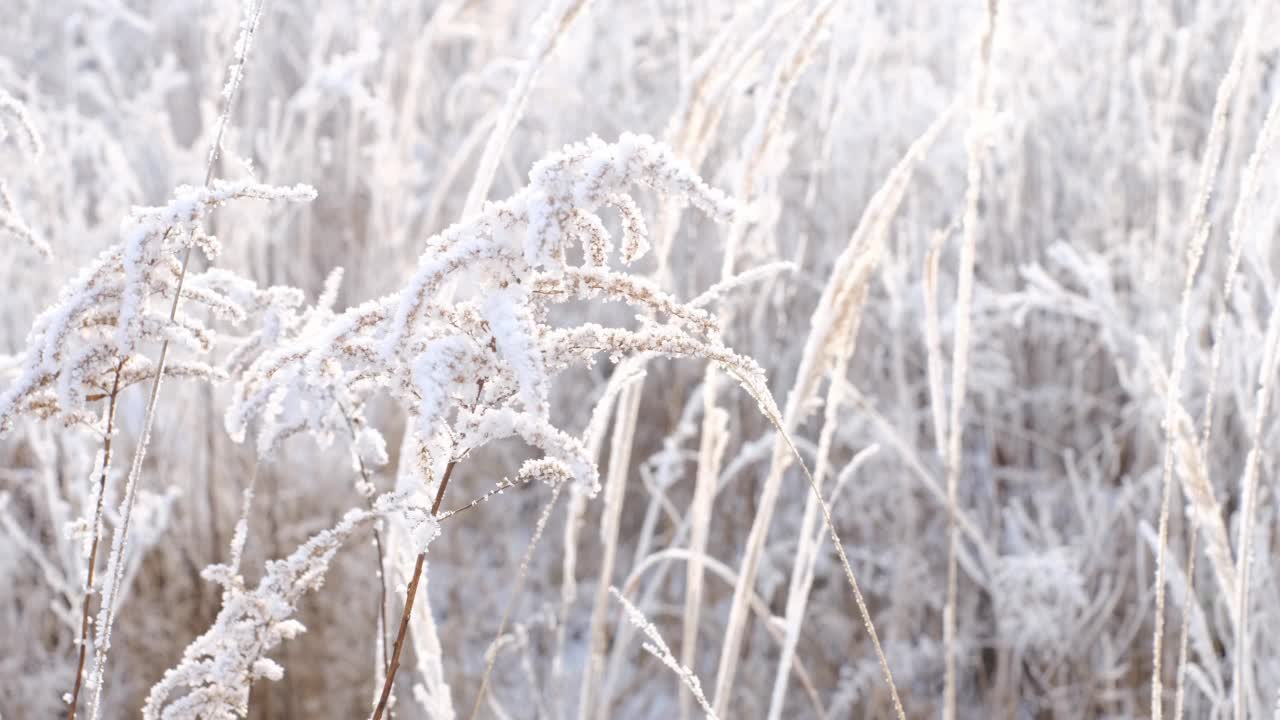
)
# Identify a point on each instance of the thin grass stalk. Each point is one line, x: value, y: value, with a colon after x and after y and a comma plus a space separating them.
x: 712, y: 444
x: 1199, y: 230
x: 1204, y: 510
x: 366, y: 477
x: 1248, y: 508
x: 614, y: 494
x: 627, y: 373
x: 643, y: 559
x: 1184, y: 633
x: 383, y: 633
x: 706, y: 114
x: 865, y: 614
x: 725, y: 573
x: 975, y: 145
x: 808, y: 546
x: 689, y: 121
x: 617, y: 664
x: 769, y: 122
x: 491, y: 657
x: 239, y: 539
x: 553, y: 24
x: 98, y: 513
x: 1239, y: 220
x: 1206, y: 507
x: 658, y: 648
x: 852, y: 269
x: 933, y: 342
x: 693, y: 124
x: 429, y: 689
x: 115, y: 567
x: 756, y: 146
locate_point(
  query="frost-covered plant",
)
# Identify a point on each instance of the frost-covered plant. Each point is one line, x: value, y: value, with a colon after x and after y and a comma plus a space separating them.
x: 478, y: 368
x: 339, y: 412
x: 491, y: 355
x: 88, y: 345
x: 217, y: 669
x: 61, y: 556
x: 1038, y: 598
x: 1112, y: 144
x: 658, y: 648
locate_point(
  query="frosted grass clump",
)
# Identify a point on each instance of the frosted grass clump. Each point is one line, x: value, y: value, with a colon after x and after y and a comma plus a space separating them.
x: 87, y: 344
x: 1038, y: 596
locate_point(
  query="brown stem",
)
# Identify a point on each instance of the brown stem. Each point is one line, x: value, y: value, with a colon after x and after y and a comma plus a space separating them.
x: 97, y: 535
x: 444, y: 483
x: 408, y: 602
x: 413, y: 583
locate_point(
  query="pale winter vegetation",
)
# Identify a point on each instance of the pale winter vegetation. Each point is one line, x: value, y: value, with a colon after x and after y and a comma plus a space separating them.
x: 599, y: 359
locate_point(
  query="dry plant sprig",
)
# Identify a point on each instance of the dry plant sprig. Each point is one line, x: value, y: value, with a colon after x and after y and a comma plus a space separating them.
x: 658, y: 648
x: 87, y: 345
x: 975, y: 150
x: 513, y: 259
x: 104, y: 315
x: 341, y: 408
x: 250, y: 19
x: 217, y: 668
x: 427, y: 352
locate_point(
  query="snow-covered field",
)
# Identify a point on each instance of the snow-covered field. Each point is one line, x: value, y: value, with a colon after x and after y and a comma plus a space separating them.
x: 639, y: 359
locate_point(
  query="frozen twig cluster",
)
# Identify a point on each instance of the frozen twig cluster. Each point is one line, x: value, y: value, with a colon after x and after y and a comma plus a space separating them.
x: 218, y: 668
x: 479, y: 369
x: 105, y: 316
